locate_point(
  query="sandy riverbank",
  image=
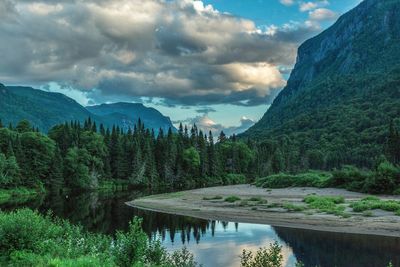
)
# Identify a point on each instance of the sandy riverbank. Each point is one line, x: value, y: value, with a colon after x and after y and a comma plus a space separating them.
x: 193, y: 203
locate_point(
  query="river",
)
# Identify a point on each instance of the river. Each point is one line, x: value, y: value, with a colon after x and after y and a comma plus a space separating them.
x: 216, y: 243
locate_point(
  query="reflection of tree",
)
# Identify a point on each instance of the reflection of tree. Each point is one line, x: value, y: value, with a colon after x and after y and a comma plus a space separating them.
x: 186, y: 227
x: 107, y: 213
x: 342, y: 250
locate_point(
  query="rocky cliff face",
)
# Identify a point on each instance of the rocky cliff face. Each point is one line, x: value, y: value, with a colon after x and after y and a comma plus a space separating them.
x: 364, y: 40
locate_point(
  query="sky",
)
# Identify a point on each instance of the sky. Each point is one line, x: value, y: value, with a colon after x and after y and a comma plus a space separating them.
x: 216, y: 63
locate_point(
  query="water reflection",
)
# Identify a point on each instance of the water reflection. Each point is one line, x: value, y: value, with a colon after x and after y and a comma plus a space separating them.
x: 217, y: 243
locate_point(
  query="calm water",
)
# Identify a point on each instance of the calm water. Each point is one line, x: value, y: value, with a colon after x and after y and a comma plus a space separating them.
x: 217, y: 243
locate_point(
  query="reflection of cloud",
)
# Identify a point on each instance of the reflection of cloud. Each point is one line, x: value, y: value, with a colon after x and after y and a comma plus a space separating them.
x: 225, y: 248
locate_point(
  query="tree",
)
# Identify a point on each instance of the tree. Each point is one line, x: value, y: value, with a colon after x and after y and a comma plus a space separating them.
x: 191, y: 157
x: 24, y: 126
x: 9, y: 171
x: 38, y: 156
x: 76, y: 168
x: 221, y: 137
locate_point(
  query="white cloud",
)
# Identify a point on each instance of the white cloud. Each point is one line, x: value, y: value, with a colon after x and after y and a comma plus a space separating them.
x: 322, y: 14
x: 308, y: 6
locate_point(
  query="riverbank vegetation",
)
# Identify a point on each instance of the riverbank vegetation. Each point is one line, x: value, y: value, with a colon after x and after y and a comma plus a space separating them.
x: 384, y: 179
x: 30, y: 239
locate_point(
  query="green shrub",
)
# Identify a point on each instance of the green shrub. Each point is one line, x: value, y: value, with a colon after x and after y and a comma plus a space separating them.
x: 373, y: 203
x: 282, y: 180
x: 328, y: 204
x: 232, y: 199
x: 266, y: 257
x: 350, y: 177
x: 30, y: 239
x: 384, y: 180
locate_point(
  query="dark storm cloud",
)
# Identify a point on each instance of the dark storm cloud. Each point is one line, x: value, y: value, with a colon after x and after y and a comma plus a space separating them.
x: 181, y: 50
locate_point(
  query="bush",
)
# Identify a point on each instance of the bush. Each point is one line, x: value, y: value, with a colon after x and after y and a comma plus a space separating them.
x: 326, y: 204
x: 373, y: 203
x: 30, y: 239
x: 282, y: 180
x: 232, y: 199
x: 385, y: 179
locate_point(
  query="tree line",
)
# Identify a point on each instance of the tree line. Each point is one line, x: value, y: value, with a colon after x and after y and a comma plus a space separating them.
x: 83, y: 156
x: 295, y: 155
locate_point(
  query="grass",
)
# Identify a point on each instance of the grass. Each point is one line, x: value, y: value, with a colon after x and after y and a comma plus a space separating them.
x: 327, y: 204
x: 374, y: 203
x: 213, y: 198
x: 232, y: 199
x: 293, y: 207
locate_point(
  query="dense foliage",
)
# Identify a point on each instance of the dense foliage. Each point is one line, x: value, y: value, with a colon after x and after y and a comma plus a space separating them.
x: 30, y: 239
x: 86, y: 156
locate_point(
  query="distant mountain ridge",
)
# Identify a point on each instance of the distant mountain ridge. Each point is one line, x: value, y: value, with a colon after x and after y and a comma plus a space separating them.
x: 344, y: 89
x: 46, y: 109
x: 129, y: 113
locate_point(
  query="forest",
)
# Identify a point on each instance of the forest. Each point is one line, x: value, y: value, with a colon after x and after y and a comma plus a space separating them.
x: 76, y: 156
x: 87, y: 157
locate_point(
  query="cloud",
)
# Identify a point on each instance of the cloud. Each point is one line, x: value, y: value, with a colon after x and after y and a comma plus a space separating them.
x: 322, y: 14
x: 206, y: 124
x: 287, y: 2
x: 182, y: 50
x: 307, y: 6
x: 205, y: 110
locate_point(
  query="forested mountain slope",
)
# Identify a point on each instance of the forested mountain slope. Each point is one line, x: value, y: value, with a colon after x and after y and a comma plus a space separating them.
x: 45, y: 109
x: 343, y: 92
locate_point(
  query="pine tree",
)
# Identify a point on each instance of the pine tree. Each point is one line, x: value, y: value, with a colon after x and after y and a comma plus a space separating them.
x: 222, y: 137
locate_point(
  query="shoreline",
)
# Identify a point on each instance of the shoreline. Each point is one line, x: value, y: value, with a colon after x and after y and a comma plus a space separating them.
x: 191, y: 203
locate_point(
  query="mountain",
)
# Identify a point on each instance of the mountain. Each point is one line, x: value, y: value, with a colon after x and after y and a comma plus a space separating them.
x: 344, y: 89
x: 45, y: 109
x: 127, y: 114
